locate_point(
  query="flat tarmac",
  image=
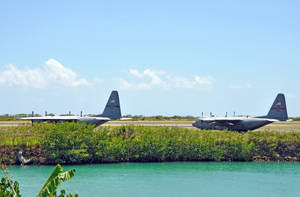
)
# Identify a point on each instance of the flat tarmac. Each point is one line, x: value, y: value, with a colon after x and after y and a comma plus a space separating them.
x: 279, y: 126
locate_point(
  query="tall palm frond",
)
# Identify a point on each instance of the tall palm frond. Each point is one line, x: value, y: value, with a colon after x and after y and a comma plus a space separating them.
x: 57, y: 176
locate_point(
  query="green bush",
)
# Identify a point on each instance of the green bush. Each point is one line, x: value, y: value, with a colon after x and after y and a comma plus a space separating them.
x: 8, y: 189
x: 80, y: 143
x: 68, y: 143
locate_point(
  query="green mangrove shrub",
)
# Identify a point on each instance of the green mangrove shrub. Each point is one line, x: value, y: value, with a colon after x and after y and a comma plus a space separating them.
x: 68, y: 143
x: 80, y: 143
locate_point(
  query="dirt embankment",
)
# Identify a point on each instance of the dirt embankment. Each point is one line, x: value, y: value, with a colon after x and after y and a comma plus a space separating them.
x: 8, y: 154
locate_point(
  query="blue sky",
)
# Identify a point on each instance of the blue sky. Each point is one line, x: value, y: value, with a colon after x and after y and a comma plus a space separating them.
x: 164, y: 57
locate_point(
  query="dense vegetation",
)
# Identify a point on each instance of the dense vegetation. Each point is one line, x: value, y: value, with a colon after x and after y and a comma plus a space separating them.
x: 8, y: 117
x: 78, y: 143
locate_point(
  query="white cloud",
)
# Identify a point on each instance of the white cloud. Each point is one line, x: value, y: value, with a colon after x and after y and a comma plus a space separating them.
x: 151, y: 77
x: 148, y: 79
x: 135, y: 73
x: 290, y: 95
x: 52, y: 74
x: 206, y: 81
x: 123, y: 83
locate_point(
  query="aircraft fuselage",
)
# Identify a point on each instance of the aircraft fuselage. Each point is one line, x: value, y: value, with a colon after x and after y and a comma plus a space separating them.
x: 239, y: 124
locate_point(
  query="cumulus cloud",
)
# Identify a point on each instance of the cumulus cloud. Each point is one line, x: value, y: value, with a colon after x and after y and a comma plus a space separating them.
x: 149, y: 79
x: 123, y: 83
x: 52, y: 74
x: 290, y: 95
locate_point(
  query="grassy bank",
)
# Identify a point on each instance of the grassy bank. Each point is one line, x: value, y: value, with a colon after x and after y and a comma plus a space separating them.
x: 73, y: 143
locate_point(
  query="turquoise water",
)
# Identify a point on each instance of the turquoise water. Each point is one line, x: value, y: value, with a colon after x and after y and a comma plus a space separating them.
x: 170, y: 179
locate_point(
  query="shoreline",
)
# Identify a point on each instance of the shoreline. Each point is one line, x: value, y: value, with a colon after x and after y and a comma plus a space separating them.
x: 8, y: 155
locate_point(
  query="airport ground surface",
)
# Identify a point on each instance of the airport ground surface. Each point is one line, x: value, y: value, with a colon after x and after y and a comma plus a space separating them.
x: 282, y: 126
x: 279, y: 126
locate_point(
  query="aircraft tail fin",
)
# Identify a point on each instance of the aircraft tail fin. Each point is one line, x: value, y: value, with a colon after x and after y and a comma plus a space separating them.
x: 278, y: 109
x: 112, y: 109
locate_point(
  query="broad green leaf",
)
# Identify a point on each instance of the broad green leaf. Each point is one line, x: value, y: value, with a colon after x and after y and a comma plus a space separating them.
x: 56, y: 177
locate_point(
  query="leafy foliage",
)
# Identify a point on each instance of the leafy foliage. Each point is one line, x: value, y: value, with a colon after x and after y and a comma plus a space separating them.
x: 9, y: 188
x: 73, y: 143
x: 68, y: 143
x: 82, y: 144
x: 57, y: 176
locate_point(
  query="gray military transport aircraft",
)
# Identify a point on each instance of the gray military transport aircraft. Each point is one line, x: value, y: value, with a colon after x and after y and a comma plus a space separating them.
x: 112, y: 111
x: 278, y: 112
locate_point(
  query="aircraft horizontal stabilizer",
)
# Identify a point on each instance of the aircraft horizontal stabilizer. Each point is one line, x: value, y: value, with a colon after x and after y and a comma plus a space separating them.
x: 102, y: 118
x: 125, y: 118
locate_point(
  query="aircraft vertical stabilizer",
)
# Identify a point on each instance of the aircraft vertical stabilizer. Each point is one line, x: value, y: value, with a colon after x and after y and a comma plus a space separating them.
x: 112, y: 109
x: 278, y: 110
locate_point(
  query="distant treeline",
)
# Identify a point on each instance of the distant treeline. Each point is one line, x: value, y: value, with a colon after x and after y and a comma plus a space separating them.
x: 77, y: 143
x: 8, y: 117
x: 295, y: 118
x: 16, y: 117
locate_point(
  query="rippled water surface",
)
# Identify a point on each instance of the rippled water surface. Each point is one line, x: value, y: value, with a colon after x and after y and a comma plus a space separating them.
x: 170, y: 179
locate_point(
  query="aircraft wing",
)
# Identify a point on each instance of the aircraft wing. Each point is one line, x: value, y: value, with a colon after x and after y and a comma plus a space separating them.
x: 227, y: 122
x: 223, y: 121
x: 52, y: 118
x: 63, y: 118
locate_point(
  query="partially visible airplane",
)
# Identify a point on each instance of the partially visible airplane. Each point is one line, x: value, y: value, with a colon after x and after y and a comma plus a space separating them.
x: 278, y: 112
x: 112, y: 111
